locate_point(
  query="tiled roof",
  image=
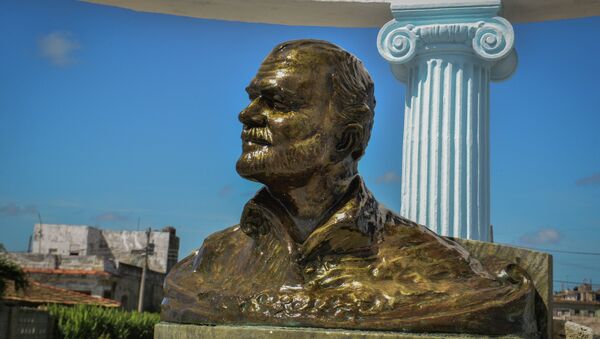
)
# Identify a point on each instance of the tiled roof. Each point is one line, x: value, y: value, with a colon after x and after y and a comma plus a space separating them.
x: 65, y: 271
x: 37, y: 293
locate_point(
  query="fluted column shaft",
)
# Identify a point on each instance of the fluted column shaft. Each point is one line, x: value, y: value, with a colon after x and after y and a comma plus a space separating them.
x: 447, y: 57
x: 446, y: 146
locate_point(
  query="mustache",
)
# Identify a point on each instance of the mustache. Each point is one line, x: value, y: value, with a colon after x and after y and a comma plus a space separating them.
x: 282, y: 161
x: 257, y: 135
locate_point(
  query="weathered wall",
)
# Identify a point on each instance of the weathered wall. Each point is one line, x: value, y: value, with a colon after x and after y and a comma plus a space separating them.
x: 59, y: 239
x: 84, y: 240
x: 4, y: 320
x: 51, y: 261
x: 122, y: 243
x: 128, y: 287
x: 25, y: 322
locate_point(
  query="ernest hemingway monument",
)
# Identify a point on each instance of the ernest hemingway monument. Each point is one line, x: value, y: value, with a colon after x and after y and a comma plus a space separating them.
x: 314, y: 249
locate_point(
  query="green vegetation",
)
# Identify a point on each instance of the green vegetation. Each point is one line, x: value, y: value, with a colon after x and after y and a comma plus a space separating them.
x: 84, y: 321
x: 11, y: 271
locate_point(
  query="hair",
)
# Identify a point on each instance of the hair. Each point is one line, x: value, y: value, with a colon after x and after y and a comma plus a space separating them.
x: 352, y: 86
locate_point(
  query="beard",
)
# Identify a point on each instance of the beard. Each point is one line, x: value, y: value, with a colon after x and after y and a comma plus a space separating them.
x: 268, y: 164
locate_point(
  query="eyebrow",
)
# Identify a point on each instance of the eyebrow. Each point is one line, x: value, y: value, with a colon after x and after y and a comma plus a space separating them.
x: 270, y: 90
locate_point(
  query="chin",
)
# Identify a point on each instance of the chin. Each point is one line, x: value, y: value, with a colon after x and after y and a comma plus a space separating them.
x: 273, y: 165
x: 253, y: 165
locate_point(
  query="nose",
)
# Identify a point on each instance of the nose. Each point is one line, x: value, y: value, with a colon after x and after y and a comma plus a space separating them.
x: 253, y: 115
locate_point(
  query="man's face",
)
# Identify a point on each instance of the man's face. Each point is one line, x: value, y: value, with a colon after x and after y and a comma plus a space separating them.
x: 288, y: 132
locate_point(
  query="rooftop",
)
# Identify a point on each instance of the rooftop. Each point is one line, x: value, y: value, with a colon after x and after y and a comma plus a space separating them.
x: 37, y: 293
x: 66, y: 271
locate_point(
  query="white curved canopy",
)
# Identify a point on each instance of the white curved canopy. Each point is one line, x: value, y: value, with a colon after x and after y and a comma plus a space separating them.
x: 344, y: 13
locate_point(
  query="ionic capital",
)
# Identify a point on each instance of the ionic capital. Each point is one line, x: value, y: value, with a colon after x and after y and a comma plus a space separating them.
x: 474, y: 31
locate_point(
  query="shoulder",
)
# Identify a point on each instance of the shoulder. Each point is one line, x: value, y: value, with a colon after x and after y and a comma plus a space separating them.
x: 228, y: 235
x: 419, y: 247
x: 212, y: 246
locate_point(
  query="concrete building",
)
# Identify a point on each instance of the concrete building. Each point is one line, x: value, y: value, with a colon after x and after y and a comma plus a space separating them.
x: 582, y: 301
x: 101, y: 263
x: 82, y: 240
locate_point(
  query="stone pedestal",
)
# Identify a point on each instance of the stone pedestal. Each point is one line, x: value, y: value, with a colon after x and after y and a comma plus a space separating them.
x: 183, y: 331
x: 447, y: 53
x: 538, y: 266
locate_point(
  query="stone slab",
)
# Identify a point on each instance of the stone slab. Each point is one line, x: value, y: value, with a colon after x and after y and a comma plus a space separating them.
x: 182, y: 331
x: 537, y: 264
x: 592, y: 322
x: 564, y: 329
x: 344, y: 13
x: 576, y: 331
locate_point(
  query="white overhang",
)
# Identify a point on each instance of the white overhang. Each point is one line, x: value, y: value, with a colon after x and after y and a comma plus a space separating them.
x: 344, y: 13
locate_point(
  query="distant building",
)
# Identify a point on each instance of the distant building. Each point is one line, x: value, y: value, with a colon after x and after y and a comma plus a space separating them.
x: 73, y: 240
x: 582, y: 300
x: 101, y: 263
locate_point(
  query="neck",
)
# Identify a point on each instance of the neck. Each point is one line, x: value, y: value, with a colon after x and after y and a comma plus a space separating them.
x: 310, y: 204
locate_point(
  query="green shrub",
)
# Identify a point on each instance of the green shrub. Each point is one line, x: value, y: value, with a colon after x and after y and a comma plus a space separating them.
x: 11, y: 271
x: 87, y: 322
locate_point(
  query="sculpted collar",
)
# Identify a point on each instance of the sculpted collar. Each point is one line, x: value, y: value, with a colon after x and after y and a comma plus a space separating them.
x: 350, y: 227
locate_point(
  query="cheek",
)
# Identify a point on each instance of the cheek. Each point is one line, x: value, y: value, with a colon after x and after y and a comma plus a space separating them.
x: 293, y: 127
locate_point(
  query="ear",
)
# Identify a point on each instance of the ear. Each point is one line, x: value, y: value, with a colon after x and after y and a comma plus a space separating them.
x: 349, y: 141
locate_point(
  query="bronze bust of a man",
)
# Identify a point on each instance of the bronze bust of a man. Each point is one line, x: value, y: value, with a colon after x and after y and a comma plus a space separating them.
x: 313, y: 247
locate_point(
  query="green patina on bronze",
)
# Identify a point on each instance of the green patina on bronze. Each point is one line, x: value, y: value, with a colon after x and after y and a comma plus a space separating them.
x: 314, y: 248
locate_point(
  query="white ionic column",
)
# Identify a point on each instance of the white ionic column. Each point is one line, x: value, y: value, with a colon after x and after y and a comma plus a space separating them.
x: 447, y: 57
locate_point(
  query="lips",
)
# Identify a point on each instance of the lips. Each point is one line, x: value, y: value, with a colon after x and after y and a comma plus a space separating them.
x: 257, y: 135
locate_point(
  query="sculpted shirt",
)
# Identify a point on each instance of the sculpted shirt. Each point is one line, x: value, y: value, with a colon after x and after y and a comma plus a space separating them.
x: 363, y: 268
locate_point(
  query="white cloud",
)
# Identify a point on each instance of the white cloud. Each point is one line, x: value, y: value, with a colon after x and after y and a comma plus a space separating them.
x: 541, y: 237
x: 591, y: 180
x: 58, y: 47
x: 388, y: 177
x: 14, y: 210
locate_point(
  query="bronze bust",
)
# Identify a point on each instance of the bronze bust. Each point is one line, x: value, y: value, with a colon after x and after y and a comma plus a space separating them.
x: 313, y: 247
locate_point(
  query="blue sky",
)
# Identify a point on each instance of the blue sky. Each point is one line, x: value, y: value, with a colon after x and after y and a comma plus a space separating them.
x: 109, y: 115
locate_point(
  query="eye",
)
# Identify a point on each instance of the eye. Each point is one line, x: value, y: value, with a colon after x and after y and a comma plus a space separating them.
x: 281, y: 104
x: 252, y: 93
